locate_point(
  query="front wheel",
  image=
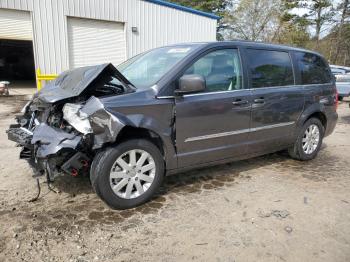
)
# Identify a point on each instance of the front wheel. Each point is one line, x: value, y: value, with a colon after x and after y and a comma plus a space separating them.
x: 309, y: 140
x: 128, y: 174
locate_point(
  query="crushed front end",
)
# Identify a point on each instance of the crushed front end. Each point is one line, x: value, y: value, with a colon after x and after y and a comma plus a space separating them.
x: 49, y: 143
x: 61, y: 128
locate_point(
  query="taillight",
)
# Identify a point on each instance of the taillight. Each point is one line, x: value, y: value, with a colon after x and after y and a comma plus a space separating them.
x: 336, y: 99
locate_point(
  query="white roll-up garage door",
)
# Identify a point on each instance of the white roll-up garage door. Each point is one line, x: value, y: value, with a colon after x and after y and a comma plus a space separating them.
x: 94, y: 42
x: 15, y: 25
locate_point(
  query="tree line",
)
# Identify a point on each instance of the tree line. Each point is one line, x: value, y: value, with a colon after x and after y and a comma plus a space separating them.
x: 320, y: 25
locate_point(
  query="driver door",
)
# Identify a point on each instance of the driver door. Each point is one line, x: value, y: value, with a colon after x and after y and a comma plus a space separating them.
x: 214, y: 124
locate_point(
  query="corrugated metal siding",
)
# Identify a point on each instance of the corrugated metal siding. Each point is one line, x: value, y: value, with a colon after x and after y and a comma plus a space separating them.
x: 93, y: 42
x: 25, y: 5
x: 15, y: 25
x: 157, y: 25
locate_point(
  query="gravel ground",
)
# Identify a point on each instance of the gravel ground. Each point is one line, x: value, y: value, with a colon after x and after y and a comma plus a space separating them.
x: 270, y: 208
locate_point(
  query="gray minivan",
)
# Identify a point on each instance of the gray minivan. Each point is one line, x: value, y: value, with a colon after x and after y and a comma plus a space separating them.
x: 173, y: 109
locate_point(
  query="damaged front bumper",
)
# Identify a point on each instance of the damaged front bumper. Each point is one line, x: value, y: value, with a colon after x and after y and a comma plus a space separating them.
x: 65, y: 123
x: 64, y: 139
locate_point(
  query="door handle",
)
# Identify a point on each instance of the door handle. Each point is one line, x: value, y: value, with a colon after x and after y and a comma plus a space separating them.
x: 240, y: 102
x: 259, y: 101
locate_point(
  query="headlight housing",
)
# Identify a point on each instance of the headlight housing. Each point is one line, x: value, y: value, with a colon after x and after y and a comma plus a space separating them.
x: 78, y: 119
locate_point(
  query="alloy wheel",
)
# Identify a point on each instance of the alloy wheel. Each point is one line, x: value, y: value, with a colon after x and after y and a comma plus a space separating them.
x: 132, y: 174
x: 311, y: 139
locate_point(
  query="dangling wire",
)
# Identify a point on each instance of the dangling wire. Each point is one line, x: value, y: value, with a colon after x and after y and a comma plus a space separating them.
x: 39, y: 191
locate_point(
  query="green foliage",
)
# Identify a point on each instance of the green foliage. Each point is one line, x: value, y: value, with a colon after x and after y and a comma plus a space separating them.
x: 293, y: 28
x: 212, y: 6
x: 324, y: 25
x: 294, y: 36
x: 217, y: 7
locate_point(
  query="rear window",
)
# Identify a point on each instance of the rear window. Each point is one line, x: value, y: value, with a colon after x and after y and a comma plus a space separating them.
x: 270, y: 68
x: 313, y: 69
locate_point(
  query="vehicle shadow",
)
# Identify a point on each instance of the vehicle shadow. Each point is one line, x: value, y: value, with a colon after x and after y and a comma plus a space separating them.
x: 84, y: 208
x: 192, y: 182
x: 76, y: 200
x: 215, y: 177
x: 187, y: 182
x: 225, y: 175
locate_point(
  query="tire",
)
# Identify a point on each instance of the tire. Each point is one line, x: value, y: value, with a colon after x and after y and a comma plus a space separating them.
x: 93, y: 172
x: 297, y: 151
x: 106, y: 172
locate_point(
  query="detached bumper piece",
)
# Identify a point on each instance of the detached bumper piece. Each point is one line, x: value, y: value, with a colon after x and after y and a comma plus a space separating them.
x: 23, y: 138
x: 20, y: 135
x: 52, y: 140
x: 47, y: 150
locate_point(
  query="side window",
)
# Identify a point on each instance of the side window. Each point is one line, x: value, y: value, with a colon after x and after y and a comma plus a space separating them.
x: 313, y: 69
x: 270, y: 68
x: 221, y: 69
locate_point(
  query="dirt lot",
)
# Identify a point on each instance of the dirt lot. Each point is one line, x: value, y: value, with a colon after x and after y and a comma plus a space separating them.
x: 269, y: 208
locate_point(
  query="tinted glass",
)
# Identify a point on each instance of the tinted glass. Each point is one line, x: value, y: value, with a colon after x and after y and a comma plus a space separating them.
x: 269, y: 68
x: 221, y: 70
x: 146, y: 69
x: 313, y: 69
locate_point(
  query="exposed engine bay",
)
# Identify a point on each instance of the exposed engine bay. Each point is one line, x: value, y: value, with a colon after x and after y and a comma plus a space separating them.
x: 64, y: 124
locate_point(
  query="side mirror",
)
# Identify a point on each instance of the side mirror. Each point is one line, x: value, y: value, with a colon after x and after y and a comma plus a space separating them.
x: 190, y: 84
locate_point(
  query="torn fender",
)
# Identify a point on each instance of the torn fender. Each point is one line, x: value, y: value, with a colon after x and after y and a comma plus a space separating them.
x: 93, y: 118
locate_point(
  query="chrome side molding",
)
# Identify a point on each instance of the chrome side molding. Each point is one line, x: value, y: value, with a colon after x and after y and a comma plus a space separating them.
x: 237, y: 132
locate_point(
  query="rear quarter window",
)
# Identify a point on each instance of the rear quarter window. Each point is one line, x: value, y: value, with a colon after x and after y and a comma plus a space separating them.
x: 313, y: 69
x: 269, y: 68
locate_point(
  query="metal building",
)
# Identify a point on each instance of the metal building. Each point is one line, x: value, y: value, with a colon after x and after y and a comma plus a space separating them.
x: 56, y: 35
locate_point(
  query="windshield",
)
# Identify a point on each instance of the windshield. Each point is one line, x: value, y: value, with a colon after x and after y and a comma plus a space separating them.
x: 146, y: 69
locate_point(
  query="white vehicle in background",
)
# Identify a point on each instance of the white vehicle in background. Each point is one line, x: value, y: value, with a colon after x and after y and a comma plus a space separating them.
x: 4, y: 88
x: 342, y: 76
x: 336, y: 69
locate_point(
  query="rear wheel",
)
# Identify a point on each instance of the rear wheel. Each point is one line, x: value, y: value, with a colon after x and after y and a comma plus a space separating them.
x: 129, y: 174
x: 309, y: 140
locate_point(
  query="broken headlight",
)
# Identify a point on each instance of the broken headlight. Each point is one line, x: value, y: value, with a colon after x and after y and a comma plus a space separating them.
x: 76, y: 118
x: 24, y: 109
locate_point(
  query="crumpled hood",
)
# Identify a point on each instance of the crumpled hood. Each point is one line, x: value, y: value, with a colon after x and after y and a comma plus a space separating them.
x: 73, y: 82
